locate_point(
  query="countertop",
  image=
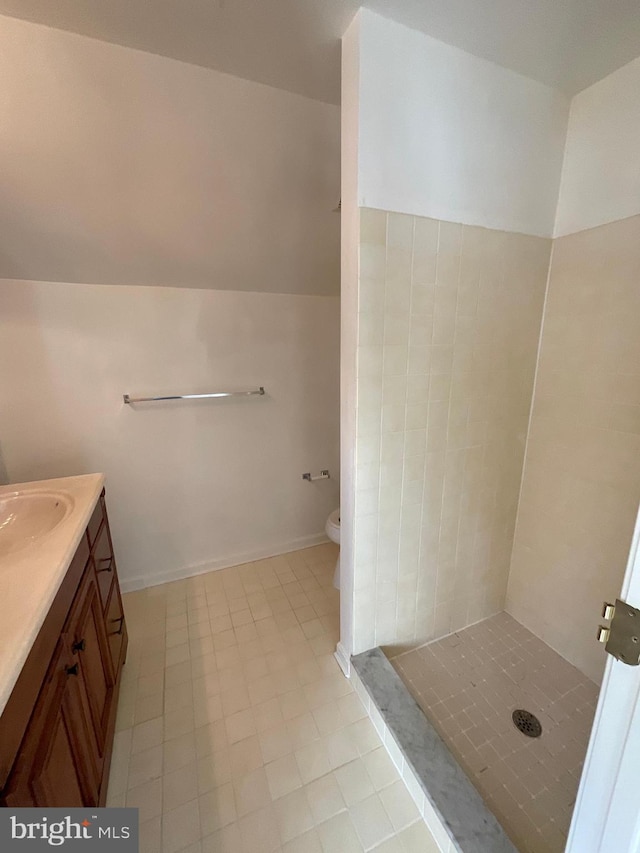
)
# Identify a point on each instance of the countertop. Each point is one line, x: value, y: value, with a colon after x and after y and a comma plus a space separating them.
x: 31, y: 577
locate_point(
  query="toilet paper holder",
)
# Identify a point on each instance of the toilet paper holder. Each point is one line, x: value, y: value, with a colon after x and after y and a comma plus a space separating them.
x: 323, y: 475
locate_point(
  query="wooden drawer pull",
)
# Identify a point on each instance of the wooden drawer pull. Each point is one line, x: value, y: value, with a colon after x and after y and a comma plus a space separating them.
x: 80, y: 646
x: 72, y: 670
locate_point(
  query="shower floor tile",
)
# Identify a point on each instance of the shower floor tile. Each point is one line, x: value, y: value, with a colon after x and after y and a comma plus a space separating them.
x: 469, y: 684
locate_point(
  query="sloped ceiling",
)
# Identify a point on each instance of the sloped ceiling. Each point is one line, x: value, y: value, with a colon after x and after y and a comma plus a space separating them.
x: 294, y: 44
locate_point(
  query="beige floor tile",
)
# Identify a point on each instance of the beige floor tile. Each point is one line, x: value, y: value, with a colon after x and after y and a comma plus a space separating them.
x: 252, y: 792
x: 116, y: 800
x: 325, y: 798
x: 241, y: 714
x: 193, y: 848
x: 214, y: 770
x: 148, y: 708
x: 120, y: 758
x: 180, y: 673
x: 235, y: 699
x: 275, y: 742
x: 354, y: 782
x: 201, y: 647
x: 225, y: 840
x: 177, y: 654
x: 283, y: 776
x: 293, y: 703
x: 177, y: 637
x: 150, y: 832
x: 150, y: 684
x: 217, y: 808
x: 177, y: 697
x: 351, y: 708
x: 245, y: 756
x: 303, y: 730
x: 380, y: 768
x: 174, y: 623
x: 309, y: 842
x: 210, y: 738
x: 313, y: 761
x: 180, y: 786
x: 240, y: 725
x: 259, y: 831
x: 199, y: 630
x: 328, y: 717
x: 147, y: 735
x: 340, y: 748
x: 180, y: 827
x: 268, y: 714
x: 179, y: 751
x: 399, y: 805
x: 145, y: 766
x: 202, y: 666
x: 293, y: 815
x: 363, y: 735
x: 230, y: 678
x: 178, y: 723
x: 338, y: 833
x: 371, y: 821
x: 207, y: 709
x: 417, y: 839
x: 147, y: 798
x: 391, y: 845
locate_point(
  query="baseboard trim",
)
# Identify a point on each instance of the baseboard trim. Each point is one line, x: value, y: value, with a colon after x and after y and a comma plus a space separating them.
x: 274, y: 550
x: 344, y: 661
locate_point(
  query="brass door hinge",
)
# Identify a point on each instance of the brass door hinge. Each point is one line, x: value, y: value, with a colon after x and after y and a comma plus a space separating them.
x: 622, y: 638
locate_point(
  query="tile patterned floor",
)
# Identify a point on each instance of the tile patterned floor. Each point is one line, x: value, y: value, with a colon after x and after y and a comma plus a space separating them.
x: 470, y: 683
x: 236, y: 730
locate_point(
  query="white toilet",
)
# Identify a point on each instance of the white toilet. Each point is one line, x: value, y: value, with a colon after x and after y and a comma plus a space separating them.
x: 332, y: 529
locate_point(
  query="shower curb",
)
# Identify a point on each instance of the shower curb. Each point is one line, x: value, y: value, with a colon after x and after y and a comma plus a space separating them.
x: 452, y: 806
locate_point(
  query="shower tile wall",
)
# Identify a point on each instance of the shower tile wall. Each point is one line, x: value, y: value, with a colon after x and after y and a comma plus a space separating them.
x: 448, y: 327
x: 581, y: 484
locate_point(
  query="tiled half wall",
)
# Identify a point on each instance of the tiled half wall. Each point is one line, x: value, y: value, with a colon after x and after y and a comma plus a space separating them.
x: 448, y: 328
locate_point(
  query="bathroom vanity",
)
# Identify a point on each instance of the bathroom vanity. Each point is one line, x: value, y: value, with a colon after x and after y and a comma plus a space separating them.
x: 63, y: 642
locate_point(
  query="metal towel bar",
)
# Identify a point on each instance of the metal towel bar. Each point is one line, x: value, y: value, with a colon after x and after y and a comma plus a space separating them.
x: 259, y: 392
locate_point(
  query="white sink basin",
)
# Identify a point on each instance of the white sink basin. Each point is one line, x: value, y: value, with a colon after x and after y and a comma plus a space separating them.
x: 26, y: 517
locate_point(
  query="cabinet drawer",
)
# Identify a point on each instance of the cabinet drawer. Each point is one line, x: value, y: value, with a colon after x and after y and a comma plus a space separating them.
x: 116, y: 628
x: 104, y: 563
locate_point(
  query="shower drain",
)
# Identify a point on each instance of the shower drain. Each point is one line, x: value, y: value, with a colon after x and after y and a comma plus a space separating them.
x: 527, y: 723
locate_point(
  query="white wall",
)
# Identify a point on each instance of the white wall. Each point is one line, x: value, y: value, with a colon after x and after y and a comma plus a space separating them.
x: 138, y: 196
x: 122, y: 167
x: 188, y: 483
x: 601, y: 171
x: 350, y: 242
x: 447, y: 135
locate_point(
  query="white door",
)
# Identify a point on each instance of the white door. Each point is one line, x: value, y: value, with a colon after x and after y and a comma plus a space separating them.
x: 606, y: 818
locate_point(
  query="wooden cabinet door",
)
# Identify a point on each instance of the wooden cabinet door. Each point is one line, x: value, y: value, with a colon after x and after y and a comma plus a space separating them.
x: 55, y: 766
x: 90, y: 649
